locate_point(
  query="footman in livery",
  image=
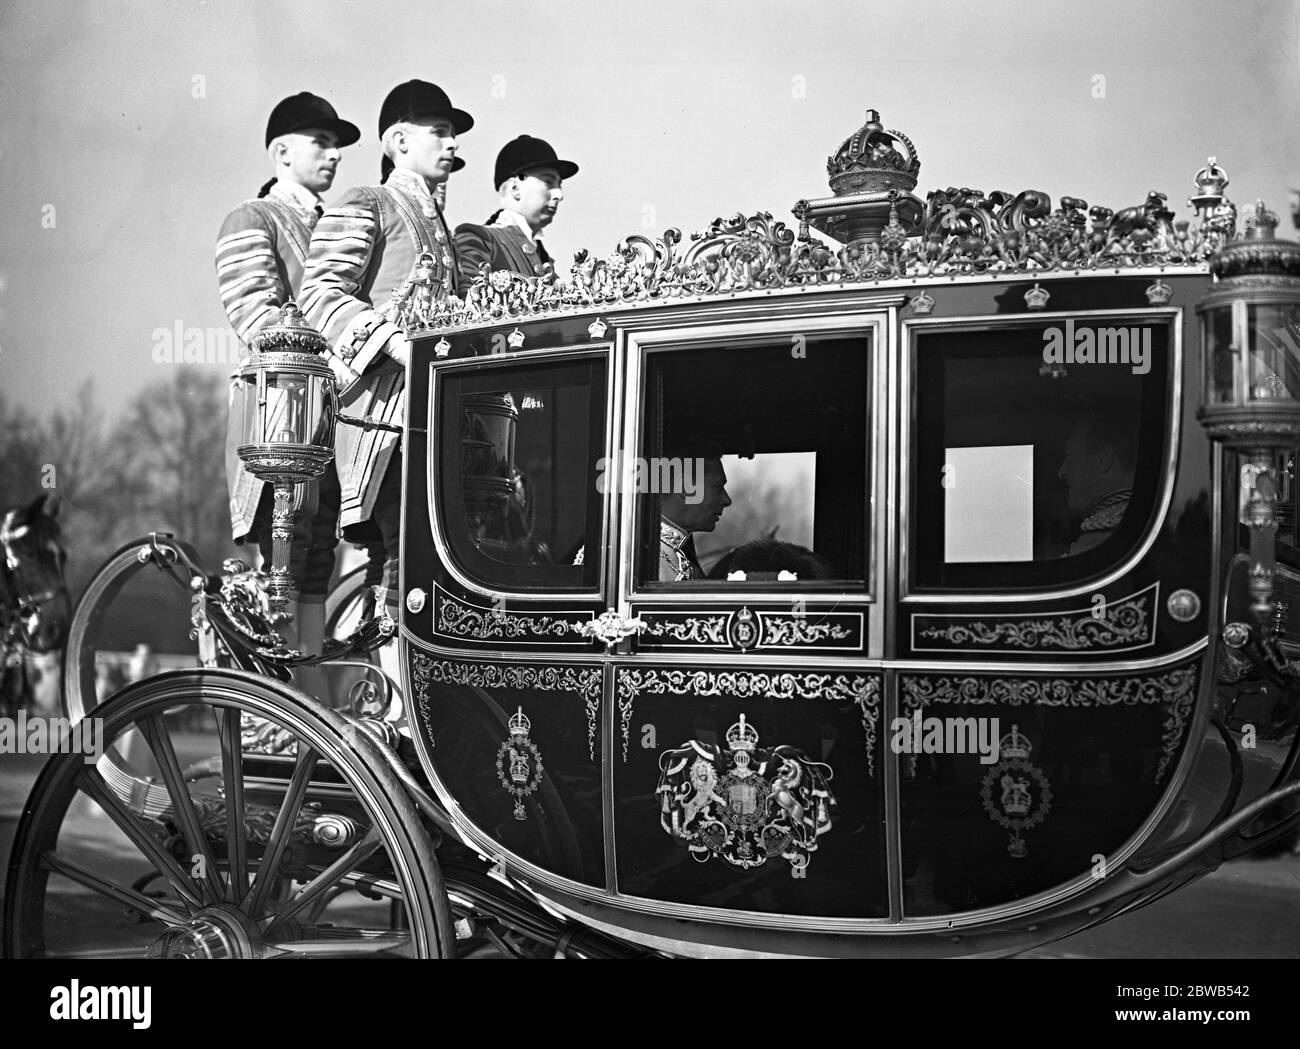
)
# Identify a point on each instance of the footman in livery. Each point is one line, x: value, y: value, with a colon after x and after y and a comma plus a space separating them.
x: 261, y: 251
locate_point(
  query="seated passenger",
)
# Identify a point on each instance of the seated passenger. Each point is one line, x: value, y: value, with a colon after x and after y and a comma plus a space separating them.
x: 1100, y: 460
x: 767, y: 558
x: 685, y: 512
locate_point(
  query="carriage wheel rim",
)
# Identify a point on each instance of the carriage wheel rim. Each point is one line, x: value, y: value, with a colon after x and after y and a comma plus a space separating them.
x: 214, y: 919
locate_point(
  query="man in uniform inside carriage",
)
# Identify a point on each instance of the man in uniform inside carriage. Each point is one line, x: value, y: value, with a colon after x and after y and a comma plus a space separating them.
x: 261, y: 251
x: 528, y: 178
x: 362, y: 252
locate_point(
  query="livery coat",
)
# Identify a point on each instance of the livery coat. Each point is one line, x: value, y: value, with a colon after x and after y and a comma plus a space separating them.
x: 261, y: 250
x: 500, y: 246
x: 362, y: 252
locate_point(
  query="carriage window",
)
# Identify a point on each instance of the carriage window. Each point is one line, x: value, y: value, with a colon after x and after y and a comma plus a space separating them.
x: 752, y: 468
x: 517, y: 493
x: 1037, y: 450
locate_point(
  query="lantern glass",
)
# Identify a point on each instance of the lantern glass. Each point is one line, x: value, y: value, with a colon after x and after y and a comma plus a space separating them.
x: 1252, y: 353
x: 1220, y: 356
x: 288, y: 407
x: 1274, y: 370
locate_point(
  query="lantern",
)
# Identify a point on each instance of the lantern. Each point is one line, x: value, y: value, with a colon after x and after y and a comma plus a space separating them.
x: 1250, y: 402
x: 288, y: 437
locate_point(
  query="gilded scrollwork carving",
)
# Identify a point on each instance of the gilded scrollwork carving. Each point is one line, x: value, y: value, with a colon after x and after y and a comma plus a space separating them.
x: 958, y: 232
x: 799, y: 630
x: 699, y: 630
x: 1174, y: 690
x: 583, y: 681
x: 861, y: 689
x: 459, y: 620
x: 1122, y: 624
x: 745, y: 629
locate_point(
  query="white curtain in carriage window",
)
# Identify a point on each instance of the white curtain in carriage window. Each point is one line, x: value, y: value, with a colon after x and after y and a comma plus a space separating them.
x: 988, y: 505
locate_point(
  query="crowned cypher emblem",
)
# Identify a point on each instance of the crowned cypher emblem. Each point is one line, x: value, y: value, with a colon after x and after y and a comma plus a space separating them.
x: 1015, y: 793
x: 519, y: 763
x: 746, y: 804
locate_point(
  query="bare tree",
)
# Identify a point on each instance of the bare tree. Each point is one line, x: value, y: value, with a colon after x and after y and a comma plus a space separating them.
x: 175, y: 431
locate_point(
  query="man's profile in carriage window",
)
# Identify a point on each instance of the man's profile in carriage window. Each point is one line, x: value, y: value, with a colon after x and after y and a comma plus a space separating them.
x: 363, y: 251
x: 261, y: 252
x: 1098, y: 467
x: 689, y: 509
x: 528, y: 177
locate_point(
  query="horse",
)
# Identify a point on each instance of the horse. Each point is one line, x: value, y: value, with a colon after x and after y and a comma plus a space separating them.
x: 35, y: 606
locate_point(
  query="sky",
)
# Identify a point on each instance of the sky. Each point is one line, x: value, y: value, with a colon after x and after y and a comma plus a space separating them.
x: 128, y: 130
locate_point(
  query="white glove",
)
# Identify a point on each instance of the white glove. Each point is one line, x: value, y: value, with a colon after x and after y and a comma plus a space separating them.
x: 399, y: 348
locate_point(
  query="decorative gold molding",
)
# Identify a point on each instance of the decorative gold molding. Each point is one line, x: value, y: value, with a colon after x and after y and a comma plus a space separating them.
x: 1175, y: 690
x: 960, y: 232
x: 583, y: 681
x: 862, y: 689
x: 457, y: 619
x: 1120, y: 625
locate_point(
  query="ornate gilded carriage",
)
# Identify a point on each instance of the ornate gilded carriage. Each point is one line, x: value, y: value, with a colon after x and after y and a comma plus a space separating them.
x: 936, y: 687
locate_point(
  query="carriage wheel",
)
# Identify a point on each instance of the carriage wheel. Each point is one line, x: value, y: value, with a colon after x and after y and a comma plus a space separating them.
x: 344, y: 604
x: 246, y: 859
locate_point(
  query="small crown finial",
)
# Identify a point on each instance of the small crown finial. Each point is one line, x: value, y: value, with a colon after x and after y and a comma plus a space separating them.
x: 1262, y: 224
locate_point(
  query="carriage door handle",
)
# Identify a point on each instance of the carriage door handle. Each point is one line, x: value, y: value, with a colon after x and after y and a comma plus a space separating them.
x: 611, y: 628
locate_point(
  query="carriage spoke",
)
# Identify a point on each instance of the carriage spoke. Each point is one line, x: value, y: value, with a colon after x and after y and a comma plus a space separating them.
x: 94, y: 954
x: 254, y: 901
x: 155, y: 733
x: 93, y: 784
x: 126, y: 897
x: 357, y: 854
x: 351, y: 942
x: 232, y: 771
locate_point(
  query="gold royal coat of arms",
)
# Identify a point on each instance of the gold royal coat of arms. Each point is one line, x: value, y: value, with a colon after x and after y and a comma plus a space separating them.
x: 746, y: 804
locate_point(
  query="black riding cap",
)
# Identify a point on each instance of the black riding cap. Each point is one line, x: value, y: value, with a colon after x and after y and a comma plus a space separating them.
x: 419, y: 98
x: 305, y: 110
x: 525, y: 152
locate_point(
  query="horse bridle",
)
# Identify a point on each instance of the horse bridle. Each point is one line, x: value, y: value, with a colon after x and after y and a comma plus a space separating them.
x: 21, y: 600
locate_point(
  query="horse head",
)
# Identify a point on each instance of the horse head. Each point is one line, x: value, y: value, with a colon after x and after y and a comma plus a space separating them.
x: 37, y: 608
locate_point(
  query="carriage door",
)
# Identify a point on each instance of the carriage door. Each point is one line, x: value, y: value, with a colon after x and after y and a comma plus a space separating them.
x: 502, y: 570
x: 745, y: 763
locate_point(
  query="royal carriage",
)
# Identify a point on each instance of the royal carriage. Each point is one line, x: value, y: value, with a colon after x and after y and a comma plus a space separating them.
x: 987, y: 643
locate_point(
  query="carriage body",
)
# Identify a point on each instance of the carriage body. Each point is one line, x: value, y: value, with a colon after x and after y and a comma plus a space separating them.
x: 582, y: 722
x: 984, y: 646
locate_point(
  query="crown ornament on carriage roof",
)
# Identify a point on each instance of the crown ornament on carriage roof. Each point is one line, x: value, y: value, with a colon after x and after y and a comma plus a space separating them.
x: 872, y: 176
x: 873, y: 160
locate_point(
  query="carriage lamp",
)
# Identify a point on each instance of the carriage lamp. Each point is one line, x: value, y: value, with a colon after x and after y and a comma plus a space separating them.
x: 288, y: 434
x: 1250, y: 401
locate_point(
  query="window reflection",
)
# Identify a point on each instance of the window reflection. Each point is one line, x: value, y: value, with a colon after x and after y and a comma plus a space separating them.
x: 517, y: 486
